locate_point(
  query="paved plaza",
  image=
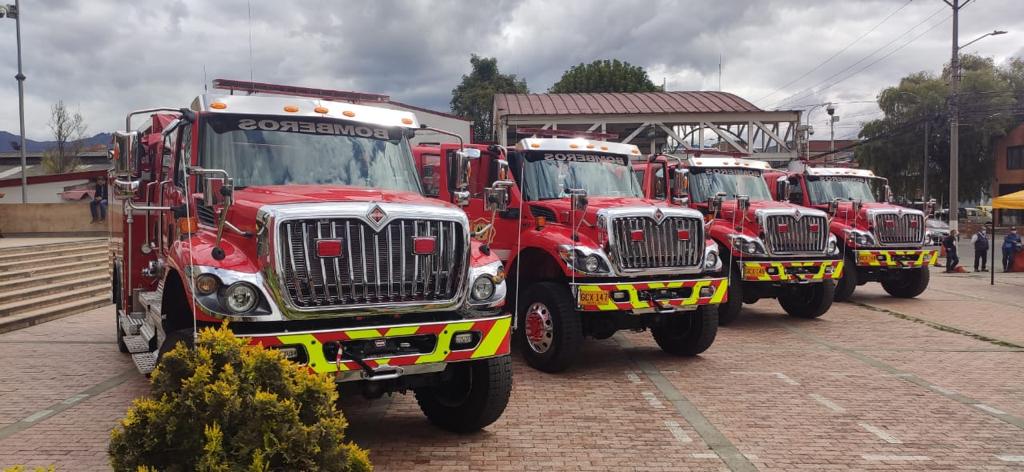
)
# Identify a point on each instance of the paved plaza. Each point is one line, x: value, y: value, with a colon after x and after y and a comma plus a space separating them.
x: 877, y: 384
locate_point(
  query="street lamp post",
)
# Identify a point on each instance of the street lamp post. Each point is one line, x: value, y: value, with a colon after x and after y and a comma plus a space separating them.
x: 954, y: 112
x: 14, y: 13
x: 810, y: 130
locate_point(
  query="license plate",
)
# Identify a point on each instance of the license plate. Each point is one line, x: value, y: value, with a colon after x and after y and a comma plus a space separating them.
x: 594, y: 298
x: 753, y: 272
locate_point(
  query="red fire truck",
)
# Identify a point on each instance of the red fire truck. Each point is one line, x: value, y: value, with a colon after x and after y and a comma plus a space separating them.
x: 883, y: 242
x: 302, y: 222
x: 770, y: 249
x: 587, y: 254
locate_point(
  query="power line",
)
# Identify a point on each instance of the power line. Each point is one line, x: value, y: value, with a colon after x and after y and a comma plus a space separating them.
x: 833, y: 56
x: 812, y: 90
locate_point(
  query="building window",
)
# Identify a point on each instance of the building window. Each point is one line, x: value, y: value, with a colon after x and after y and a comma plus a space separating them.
x: 1015, y: 158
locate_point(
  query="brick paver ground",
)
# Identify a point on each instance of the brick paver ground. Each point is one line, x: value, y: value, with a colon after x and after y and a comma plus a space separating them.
x: 879, y: 384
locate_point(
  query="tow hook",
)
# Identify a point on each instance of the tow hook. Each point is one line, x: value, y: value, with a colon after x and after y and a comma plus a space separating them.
x: 369, y: 373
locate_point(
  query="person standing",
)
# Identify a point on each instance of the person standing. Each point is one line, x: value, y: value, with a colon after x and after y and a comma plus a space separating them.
x: 1011, y: 244
x: 952, y: 260
x: 98, y: 205
x: 980, y: 241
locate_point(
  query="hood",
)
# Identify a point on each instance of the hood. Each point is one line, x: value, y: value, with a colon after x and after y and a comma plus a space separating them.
x: 845, y: 214
x: 560, y: 207
x: 249, y: 200
x: 729, y: 207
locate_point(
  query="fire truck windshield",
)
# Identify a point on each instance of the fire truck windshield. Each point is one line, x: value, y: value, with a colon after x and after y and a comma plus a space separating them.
x: 274, y: 150
x: 705, y: 183
x: 548, y: 176
x: 824, y: 189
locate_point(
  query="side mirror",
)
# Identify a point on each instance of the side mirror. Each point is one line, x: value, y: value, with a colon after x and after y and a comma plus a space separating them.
x: 833, y: 207
x: 715, y: 203
x: 680, y: 186
x: 123, y: 152
x: 578, y: 199
x: 856, y: 205
x: 742, y: 204
x: 496, y: 199
x: 888, y: 193
x: 212, y: 188
x: 461, y: 177
x: 782, y: 189
x: 929, y: 208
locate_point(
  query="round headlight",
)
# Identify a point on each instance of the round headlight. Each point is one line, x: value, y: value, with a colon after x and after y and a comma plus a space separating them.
x: 711, y: 260
x: 241, y: 297
x: 483, y: 288
x: 592, y: 263
x: 750, y: 247
x: 833, y: 247
x: 206, y: 284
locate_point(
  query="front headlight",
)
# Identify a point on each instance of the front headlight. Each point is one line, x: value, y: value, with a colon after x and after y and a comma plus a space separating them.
x: 710, y: 260
x: 833, y: 246
x: 488, y: 285
x: 747, y: 245
x: 241, y: 297
x: 483, y: 288
x: 584, y: 259
x: 861, y: 238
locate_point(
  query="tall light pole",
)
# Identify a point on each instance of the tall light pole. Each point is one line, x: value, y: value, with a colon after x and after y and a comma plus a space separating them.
x: 831, y: 109
x: 810, y: 129
x: 954, y: 112
x: 14, y: 13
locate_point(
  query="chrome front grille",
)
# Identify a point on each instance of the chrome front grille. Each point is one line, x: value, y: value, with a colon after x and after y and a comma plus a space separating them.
x: 894, y: 228
x: 786, y: 234
x: 661, y: 245
x: 375, y: 267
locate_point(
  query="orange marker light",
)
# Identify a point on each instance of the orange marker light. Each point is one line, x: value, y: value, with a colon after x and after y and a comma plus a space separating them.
x: 604, y: 148
x: 574, y: 146
x: 406, y: 121
x: 321, y: 110
x: 535, y: 145
x: 349, y: 113
x: 218, y: 105
x: 291, y: 108
x: 188, y: 225
x: 590, y: 146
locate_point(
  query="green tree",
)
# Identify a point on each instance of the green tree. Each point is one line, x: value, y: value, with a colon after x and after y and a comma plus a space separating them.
x: 604, y: 76
x: 990, y: 99
x: 473, y: 98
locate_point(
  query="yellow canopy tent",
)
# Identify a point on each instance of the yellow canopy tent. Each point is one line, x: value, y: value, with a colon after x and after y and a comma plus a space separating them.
x: 1011, y: 201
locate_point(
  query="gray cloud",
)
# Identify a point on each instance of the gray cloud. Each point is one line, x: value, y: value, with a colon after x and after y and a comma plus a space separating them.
x: 107, y: 57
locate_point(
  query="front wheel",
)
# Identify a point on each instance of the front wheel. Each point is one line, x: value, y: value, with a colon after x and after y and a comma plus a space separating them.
x: 808, y: 301
x: 688, y: 334
x: 729, y: 310
x: 550, y: 332
x: 907, y: 283
x: 473, y: 397
x: 848, y: 281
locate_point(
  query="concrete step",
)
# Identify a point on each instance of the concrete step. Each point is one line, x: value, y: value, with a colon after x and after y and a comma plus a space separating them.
x: 87, y: 255
x: 53, y: 312
x: 94, y: 279
x: 44, y: 252
x: 96, y: 264
x: 50, y: 278
x: 91, y: 242
x: 66, y: 296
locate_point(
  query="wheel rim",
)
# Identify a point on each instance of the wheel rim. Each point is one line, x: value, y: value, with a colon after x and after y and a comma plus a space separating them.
x: 539, y: 328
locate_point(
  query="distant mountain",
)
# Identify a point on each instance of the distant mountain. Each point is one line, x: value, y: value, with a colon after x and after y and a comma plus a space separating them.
x: 9, y: 141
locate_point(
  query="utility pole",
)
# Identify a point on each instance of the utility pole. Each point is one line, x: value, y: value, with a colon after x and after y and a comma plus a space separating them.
x: 954, y: 118
x: 831, y: 109
x: 924, y: 188
x: 14, y: 13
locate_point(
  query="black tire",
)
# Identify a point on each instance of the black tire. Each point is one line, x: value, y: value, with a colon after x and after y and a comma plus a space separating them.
x: 808, y: 301
x: 473, y: 398
x: 555, y: 326
x: 848, y: 282
x: 172, y: 340
x: 688, y: 334
x: 730, y: 310
x: 907, y: 283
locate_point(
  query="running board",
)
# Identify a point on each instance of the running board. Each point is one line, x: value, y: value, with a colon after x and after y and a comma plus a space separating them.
x: 145, y: 361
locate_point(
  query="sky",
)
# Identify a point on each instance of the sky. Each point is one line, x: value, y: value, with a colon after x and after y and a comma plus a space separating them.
x: 105, y: 58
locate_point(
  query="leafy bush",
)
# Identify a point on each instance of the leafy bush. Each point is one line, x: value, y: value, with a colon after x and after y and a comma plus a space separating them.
x: 227, y: 406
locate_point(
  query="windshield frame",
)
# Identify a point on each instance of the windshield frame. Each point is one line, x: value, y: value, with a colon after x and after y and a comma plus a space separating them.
x: 694, y: 172
x: 538, y: 159
x: 812, y: 194
x: 402, y: 151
